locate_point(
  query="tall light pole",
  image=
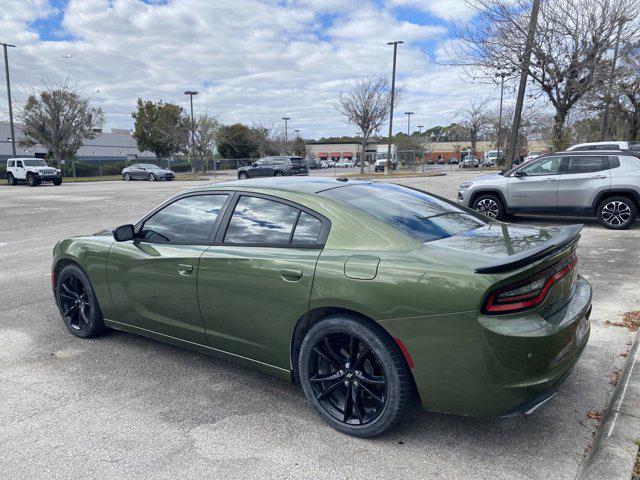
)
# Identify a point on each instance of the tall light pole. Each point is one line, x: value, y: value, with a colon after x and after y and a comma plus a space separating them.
x: 420, y: 127
x: 500, y: 74
x: 524, y: 73
x: 297, y: 130
x: 6, y: 73
x: 191, y: 93
x: 408, y: 114
x: 605, y: 115
x: 286, y: 146
x: 393, y: 92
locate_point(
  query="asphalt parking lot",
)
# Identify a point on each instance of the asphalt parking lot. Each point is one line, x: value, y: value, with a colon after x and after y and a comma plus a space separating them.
x: 121, y: 406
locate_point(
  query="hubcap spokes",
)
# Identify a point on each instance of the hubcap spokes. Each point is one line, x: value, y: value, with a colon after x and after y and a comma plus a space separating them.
x: 347, y: 379
x: 75, y: 304
x: 487, y: 207
x: 616, y: 213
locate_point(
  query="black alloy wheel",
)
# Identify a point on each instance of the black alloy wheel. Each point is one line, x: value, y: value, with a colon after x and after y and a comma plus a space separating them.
x: 77, y: 303
x: 617, y: 213
x: 354, y: 375
x: 347, y: 379
x: 243, y: 175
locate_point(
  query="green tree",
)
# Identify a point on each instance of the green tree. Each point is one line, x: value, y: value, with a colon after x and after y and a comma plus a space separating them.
x: 60, y: 119
x: 162, y: 128
x: 236, y: 141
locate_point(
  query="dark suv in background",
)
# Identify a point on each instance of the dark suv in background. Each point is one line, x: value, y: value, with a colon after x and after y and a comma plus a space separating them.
x: 274, y: 167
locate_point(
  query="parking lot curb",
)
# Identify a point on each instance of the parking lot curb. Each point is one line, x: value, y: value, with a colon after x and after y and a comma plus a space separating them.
x: 616, y: 444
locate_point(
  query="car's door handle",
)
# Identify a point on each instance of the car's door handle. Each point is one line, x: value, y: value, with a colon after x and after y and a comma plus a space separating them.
x: 291, y: 275
x: 600, y: 177
x: 185, y: 269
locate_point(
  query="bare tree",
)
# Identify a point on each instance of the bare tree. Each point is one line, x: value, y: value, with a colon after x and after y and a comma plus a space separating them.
x: 475, y: 121
x: 367, y: 105
x: 571, y: 46
x: 204, y: 136
x: 268, y: 138
x: 60, y: 118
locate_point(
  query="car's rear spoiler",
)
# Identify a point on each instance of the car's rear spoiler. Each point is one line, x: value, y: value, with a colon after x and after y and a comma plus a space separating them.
x: 566, y: 236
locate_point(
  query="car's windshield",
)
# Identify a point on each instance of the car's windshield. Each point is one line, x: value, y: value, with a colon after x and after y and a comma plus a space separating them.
x: 150, y: 165
x: 416, y: 213
x: 36, y: 162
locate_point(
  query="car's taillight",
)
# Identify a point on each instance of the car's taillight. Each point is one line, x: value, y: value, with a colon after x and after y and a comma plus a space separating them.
x: 528, y: 293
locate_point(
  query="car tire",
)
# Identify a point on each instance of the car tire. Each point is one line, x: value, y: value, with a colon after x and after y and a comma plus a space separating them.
x: 617, y: 213
x: 367, y: 390
x: 277, y: 174
x: 489, y: 205
x: 11, y: 180
x: 77, y: 303
x: 152, y: 177
x: 127, y: 177
x: 57, y: 181
x: 243, y: 176
x: 32, y: 180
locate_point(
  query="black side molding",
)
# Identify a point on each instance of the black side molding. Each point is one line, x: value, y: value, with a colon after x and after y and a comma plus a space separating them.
x: 567, y: 235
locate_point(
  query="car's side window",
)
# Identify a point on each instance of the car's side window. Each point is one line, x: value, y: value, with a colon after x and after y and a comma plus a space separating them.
x: 19, y: 164
x: 610, y: 146
x: 259, y: 221
x: 614, y: 162
x: 307, y: 230
x: 10, y: 164
x: 189, y: 220
x: 544, y: 166
x: 583, y: 149
x: 586, y: 164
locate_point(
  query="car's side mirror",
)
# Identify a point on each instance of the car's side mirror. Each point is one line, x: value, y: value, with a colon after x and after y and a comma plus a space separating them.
x: 124, y: 233
x: 519, y: 174
x: 254, y: 165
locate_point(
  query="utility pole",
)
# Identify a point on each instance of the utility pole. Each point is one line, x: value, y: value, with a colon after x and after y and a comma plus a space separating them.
x: 607, y: 98
x: 393, y: 92
x: 420, y: 127
x: 408, y: 114
x: 6, y: 73
x: 501, y: 74
x: 286, y: 146
x: 524, y: 73
x: 191, y: 93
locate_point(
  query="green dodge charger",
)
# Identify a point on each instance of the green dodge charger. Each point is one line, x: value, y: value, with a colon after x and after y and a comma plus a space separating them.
x: 370, y: 295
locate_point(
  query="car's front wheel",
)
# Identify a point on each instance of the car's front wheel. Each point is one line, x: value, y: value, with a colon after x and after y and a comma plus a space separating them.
x: 77, y: 303
x: 152, y: 177
x: 32, y: 180
x: 354, y: 375
x: 57, y: 181
x: 127, y: 177
x: 489, y: 205
x: 243, y: 175
x: 617, y: 213
x: 277, y: 174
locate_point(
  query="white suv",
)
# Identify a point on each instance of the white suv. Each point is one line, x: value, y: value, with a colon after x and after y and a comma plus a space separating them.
x: 34, y: 171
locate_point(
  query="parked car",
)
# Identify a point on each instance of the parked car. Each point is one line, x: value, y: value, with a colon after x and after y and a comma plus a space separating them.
x: 453, y: 161
x: 490, y: 158
x: 33, y: 171
x: 430, y: 161
x: 532, y: 155
x: 470, y: 162
x: 441, y: 161
x: 274, y: 167
x: 146, y: 171
x: 344, y: 163
x: 601, y: 184
x: 610, y: 145
x: 312, y: 163
x: 380, y: 164
x: 342, y: 304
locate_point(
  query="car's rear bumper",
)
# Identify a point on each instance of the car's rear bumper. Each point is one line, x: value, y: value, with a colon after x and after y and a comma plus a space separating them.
x: 471, y: 364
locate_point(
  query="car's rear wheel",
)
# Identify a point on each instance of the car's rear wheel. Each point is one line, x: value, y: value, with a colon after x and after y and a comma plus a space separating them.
x: 617, y: 213
x: 77, y: 303
x: 127, y: 177
x: 152, y: 177
x: 489, y: 205
x: 11, y: 179
x: 354, y: 375
x: 243, y: 175
x: 277, y: 174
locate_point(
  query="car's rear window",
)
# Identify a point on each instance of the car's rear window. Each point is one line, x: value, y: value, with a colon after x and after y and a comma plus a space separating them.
x: 296, y: 160
x: 422, y: 216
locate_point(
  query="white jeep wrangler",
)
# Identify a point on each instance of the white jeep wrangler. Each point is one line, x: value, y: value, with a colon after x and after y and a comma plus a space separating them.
x: 34, y: 171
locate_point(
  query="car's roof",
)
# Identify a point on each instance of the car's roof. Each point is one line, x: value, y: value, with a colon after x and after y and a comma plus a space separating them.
x: 25, y: 158
x: 292, y: 184
x: 612, y: 142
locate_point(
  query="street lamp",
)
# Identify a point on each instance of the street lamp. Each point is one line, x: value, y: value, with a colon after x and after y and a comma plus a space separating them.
x: 420, y: 127
x: 286, y: 119
x: 191, y: 93
x: 6, y: 72
x: 297, y: 130
x: 408, y: 114
x: 393, y: 91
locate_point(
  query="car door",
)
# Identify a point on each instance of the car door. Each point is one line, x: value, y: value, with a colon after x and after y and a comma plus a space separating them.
x: 534, y: 186
x: 254, y: 283
x: 20, y: 171
x: 152, y: 278
x: 260, y: 168
x: 582, y: 177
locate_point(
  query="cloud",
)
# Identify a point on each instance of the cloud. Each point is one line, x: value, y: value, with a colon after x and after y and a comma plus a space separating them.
x: 250, y: 60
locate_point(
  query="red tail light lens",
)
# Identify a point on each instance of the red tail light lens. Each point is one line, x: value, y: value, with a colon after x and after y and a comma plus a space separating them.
x: 528, y: 293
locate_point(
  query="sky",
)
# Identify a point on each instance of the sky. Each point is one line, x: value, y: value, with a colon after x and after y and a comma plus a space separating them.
x: 251, y: 61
